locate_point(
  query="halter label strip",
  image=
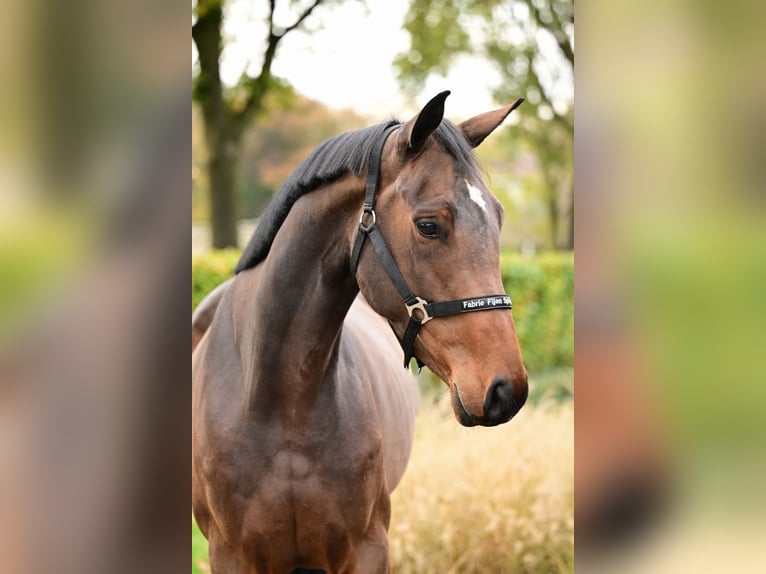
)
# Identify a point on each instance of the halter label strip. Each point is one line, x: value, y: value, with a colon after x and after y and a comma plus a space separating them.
x: 469, y: 305
x: 491, y: 302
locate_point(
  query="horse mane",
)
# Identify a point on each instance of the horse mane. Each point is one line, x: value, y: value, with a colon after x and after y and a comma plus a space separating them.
x: 346, y: 153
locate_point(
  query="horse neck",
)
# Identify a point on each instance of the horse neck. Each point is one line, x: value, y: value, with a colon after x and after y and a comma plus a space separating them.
x: 298, y: 301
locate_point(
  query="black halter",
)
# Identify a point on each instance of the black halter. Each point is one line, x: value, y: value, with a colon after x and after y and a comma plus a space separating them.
x: 419, y: 310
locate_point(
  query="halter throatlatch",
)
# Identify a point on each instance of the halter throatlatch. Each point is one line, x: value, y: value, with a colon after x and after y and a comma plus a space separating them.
x: 419, y: 310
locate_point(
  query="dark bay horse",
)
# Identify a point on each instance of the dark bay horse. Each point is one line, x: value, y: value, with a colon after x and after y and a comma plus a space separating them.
x: 302, y: 415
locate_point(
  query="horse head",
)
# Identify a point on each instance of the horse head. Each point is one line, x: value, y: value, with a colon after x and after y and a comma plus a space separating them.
x: 442, y: 228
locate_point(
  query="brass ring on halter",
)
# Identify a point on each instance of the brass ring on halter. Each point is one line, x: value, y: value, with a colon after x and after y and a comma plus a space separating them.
x: 419, y: 305
x: 362, y: 225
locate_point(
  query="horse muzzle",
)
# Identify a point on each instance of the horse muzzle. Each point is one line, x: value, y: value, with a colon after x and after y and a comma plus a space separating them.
x: 501, y: 403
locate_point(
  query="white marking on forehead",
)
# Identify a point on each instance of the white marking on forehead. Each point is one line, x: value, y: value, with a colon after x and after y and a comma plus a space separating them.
x: 476, y: 195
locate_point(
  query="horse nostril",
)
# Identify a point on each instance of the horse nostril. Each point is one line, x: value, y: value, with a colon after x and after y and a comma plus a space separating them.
x: 499, y: 405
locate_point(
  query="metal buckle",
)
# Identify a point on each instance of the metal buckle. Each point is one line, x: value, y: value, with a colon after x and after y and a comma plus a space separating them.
x: 420, y: 305
x: 362, y: 226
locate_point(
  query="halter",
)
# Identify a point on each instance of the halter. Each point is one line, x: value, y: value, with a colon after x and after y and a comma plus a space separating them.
x: 419, y: 310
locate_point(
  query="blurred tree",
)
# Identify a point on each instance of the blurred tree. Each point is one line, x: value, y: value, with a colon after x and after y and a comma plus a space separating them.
x: 531, y: 44
x: 271, y: 148
x: 200, y: 204
x: 228, y: 111
x: 274, y: 146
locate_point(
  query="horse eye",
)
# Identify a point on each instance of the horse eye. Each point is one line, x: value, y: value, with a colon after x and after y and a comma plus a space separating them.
x: 428, y: 229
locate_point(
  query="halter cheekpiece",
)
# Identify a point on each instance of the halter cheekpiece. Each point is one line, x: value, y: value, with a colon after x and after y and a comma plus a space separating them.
x: 419, y: 310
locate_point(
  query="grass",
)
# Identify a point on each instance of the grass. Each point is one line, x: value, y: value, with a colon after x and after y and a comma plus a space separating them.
x: 199, y: 551
x: 487, y: 500
x: 482, y: 499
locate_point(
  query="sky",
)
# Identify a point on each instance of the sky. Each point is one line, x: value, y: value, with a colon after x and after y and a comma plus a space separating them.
x: 346, y: 62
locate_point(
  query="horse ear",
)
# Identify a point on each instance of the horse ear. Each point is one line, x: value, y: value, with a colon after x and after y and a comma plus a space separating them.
x: 416, y: 131
x: 479, y: 127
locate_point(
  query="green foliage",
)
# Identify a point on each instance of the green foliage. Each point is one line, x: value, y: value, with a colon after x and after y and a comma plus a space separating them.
x: 436, y: 37
x: 541, y: 287
x: 530, y: 44
x: 551, y: 387
x: 210, y: 270
x: 542, y: 290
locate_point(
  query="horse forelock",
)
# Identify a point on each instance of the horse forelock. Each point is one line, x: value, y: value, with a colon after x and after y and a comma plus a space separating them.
x: 338, y: 156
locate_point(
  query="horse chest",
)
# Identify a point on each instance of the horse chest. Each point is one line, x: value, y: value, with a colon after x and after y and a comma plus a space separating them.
x: 313, y: 500
x: 318, y: 477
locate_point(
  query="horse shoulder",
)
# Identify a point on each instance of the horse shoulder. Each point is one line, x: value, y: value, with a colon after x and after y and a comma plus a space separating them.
x: 393, y: 389
x: 216, y: 394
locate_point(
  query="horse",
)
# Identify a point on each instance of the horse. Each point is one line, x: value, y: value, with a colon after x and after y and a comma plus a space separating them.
x: 302, y: 415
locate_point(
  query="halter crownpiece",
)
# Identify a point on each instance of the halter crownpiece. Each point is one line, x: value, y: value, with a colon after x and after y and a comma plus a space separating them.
x: 419, y: 310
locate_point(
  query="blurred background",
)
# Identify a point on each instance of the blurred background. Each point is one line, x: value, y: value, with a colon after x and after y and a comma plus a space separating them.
x: 269, y: 86
x: 261, y: 107
x: 94, y: 199
x: 670, y: 283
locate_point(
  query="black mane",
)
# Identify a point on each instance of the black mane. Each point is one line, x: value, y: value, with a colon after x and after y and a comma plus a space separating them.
x: 346, y: 153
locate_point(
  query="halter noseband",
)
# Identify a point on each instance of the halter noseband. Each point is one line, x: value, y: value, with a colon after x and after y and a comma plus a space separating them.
x: 419, y: 310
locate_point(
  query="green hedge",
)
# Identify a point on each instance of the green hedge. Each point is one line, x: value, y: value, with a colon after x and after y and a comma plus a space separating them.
x: 210, y: 270
x: 542, y: 289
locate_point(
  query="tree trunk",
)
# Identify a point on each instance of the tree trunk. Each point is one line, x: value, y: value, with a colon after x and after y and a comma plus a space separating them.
x: 222, y: 168
x: 553, y: 217
x: 223, y: 124
x: 222, y: 141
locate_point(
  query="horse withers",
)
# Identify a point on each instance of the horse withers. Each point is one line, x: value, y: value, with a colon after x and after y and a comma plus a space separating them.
x: 303, y: 416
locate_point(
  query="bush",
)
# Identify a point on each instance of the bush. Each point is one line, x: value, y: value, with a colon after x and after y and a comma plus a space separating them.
x: 541, y: 287
x: 210, y: 270
x: 542, y: 290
